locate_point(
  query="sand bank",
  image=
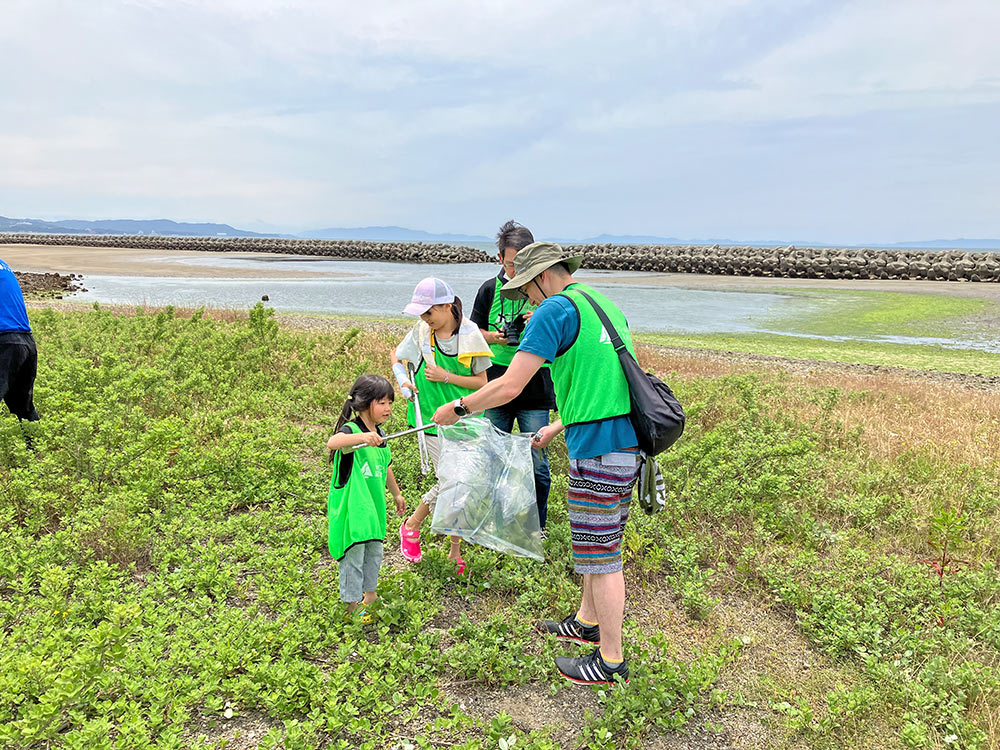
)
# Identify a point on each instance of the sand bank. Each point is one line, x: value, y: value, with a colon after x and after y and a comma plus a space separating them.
x: 157, y: 263
x: 198, y: 264
x: 769, y: 284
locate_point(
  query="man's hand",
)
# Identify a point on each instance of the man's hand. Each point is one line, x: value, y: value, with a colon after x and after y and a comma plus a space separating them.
x: 494, y: 337
x: 545, y: 436
x: 400, y: 504
x: 445, y: 415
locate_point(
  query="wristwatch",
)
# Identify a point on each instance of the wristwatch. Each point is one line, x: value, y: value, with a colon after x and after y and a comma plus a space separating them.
x: 460, y: 409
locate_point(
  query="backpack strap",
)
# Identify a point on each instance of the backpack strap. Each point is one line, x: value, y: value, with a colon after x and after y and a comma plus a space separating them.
x: 616, y: 340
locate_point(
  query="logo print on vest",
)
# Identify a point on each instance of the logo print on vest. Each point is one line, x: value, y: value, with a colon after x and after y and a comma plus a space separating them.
x: 605, y: 337
x: 366, y: 471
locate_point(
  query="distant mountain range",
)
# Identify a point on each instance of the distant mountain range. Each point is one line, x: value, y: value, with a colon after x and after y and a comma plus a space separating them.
x: 124, y: 226
x: 402, y: 234
x: 388, y: 234
x: 631, y: 239
x: 959, y: 244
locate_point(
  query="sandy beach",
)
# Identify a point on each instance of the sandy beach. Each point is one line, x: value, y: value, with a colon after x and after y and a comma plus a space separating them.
x: 152, y: 263
x: 177, y: 264
x: 711, y: 282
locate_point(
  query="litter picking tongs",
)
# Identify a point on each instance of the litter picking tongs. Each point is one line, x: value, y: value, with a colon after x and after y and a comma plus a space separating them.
x: 425, y: 457
x: 419, y: 432
x: 393, y: 436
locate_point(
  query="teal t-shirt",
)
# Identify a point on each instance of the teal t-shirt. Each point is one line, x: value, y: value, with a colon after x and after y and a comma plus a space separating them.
x: 554, y: 327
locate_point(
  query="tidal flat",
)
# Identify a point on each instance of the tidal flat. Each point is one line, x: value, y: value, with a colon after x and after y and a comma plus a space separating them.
x: 953, y: 324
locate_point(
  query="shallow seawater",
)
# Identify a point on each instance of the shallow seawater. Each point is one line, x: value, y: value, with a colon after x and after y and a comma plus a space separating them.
x: 371, y: 288
x: 978, y: 343
x: 385, y: 288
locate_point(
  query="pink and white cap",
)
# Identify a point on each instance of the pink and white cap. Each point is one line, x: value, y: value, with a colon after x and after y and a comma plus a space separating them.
x: 429, y: 292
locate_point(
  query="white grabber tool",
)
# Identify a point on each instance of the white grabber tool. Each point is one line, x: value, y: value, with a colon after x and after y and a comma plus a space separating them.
x: 425, y: 458
x: 393, y: 436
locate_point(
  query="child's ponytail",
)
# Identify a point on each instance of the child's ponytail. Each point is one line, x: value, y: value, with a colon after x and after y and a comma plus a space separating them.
x: 366, y: 389
x: 345, y: 413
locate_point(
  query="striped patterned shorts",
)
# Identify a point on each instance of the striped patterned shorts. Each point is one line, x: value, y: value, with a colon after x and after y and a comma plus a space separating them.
x: 599, y: 493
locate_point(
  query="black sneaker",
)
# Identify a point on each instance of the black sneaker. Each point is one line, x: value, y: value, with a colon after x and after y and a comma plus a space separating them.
x: 571, y: 629
x: 591, y: 670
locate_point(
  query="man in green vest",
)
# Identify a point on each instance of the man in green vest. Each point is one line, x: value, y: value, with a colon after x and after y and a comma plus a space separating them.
x: 593, y: 402
x: 502, y: 323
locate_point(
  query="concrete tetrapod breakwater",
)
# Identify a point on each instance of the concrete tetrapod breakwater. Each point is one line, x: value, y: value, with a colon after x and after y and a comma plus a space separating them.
x: 398, y: 252
x: 790, y: 261
x: 795, y: 262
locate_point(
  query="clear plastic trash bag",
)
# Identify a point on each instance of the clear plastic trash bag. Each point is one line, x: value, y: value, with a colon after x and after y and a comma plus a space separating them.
x: 486, y: 489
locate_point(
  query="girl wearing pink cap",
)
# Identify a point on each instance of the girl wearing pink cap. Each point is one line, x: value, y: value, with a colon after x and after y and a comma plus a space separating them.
x: 450, y: 357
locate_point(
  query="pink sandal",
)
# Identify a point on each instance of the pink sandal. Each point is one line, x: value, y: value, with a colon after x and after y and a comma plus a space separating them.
x: 459, y: 566
x: 409, y: 543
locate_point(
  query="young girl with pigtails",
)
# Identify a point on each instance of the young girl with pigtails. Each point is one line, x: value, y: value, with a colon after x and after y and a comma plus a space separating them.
x: 450, y: 358
x: 356, y: 511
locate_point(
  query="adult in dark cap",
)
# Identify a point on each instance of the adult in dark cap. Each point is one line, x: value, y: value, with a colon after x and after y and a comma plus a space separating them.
x: 593, y: 402
x: 502, y: 322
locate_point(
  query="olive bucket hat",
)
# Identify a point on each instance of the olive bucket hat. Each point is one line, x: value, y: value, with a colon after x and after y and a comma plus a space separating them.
x: 531, y: 261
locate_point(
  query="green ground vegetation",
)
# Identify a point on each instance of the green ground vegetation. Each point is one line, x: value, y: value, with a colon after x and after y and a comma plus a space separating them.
x: 910, y: 356
x: 880, y: 313
x: 860, y: 315
x: 164, y: 581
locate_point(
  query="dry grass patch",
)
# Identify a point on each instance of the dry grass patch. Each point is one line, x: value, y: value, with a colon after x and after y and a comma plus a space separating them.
x: 776, y: 663
x: 532, y: 707
x: 943, y: 430
x: 896, y: 413
x: 986, y: 708
x: 655, y: 608
x: 243, y: 731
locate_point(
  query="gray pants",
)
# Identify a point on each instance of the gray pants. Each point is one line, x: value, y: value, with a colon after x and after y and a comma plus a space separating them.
x: 359, y: 570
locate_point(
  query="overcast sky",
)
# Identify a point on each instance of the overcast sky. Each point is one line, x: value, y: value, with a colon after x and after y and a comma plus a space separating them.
x: 827, y: 121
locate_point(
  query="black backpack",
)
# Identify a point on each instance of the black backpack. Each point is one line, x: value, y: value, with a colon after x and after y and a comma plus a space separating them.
x: 656, y: 415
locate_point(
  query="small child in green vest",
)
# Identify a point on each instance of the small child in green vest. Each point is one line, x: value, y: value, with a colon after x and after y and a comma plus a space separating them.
x: 451, y: 358
x: 356, y: 512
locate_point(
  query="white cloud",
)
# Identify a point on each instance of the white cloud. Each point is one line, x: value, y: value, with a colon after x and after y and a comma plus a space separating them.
x: 920, y: 54
x: 343, y: 112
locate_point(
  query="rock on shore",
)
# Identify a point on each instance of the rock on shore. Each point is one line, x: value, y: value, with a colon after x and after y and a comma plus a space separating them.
x: 48, y: 285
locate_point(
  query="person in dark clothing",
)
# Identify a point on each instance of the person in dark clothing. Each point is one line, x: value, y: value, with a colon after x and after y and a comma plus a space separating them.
x: 502, y: 322
x: 18, y: 354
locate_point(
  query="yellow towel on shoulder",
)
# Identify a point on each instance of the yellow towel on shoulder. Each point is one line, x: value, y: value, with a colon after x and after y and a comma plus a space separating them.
x: 471, y: 343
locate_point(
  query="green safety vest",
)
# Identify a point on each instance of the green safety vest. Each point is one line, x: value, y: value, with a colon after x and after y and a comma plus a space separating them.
x: 588, y: 378
x: 432, y: 395
x: 356, y: 510
x: 502, y: 312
